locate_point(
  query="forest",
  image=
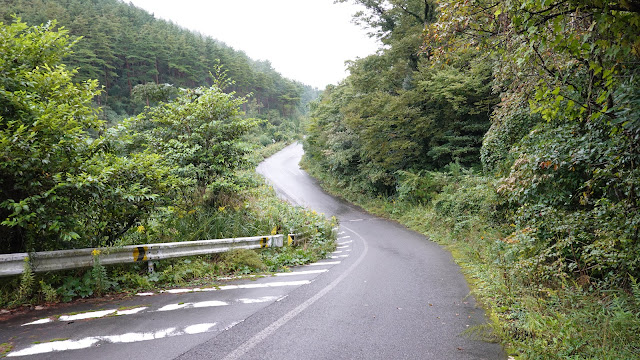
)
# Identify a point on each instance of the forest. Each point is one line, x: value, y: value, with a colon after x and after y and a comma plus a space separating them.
x: 123, y: 46
x: 508, y: 131
x: 106, y: 142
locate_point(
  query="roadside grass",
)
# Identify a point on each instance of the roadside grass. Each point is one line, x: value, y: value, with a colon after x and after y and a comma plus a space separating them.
x: 254, y: 211
x: 532, y: 319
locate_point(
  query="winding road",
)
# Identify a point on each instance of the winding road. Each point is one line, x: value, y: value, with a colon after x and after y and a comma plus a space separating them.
x: 386, y: 293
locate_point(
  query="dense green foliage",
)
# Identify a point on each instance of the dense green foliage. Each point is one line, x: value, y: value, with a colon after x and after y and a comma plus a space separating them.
x: 68, y: 182
x: 571, y: 181
x: 181, y: 170
x: 551, y: 229
x: 564, y: 138
x: 123, y: 46
x: 398, y: 113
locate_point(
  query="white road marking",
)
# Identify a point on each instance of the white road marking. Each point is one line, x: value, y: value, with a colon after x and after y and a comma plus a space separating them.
x: 345, y: 242
x: 169, y: 307
x: 56, y: 346
x: 338, y: 256
x: 241, y: 286
x: 87, y: 315
x: 265, y: 285
x: 336, y: 252
x: 202, y: 304
x: 259, y: 300
x: 342, y: 247
x: 131, y: 311
x: 114, y: 339
x: 324, y: 263
x: 38, y: 322
x: 305, y: 272
x: 355, y: 220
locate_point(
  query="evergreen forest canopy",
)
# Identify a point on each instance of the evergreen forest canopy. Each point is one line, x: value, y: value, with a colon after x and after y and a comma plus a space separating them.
x: 123, y: 46
x: 542, y: 97
x: 76, y: 171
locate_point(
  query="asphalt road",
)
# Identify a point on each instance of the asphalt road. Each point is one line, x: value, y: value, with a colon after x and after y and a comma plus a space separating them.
x: 387, y: 293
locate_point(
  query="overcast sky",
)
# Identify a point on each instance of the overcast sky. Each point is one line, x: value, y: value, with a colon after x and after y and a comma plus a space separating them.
x: 305, y: 40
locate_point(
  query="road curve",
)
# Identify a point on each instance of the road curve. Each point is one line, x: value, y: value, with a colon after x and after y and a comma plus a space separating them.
x: 393, y: 295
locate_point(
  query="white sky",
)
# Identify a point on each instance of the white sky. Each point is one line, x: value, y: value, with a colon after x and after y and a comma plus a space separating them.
x: 305, y: 40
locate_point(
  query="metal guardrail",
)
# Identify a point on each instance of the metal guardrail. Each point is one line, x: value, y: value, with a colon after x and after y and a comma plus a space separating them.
x: 13, y: 264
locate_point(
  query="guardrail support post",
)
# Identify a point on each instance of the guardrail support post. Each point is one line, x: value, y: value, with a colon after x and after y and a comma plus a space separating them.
x: 150, y: 267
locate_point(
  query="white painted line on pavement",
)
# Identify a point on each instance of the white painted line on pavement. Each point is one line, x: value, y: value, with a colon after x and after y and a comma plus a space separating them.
x: 87, y: 315
x: 324, y: 263
x: 338, y: 257
x: 345, y: 242
x: 202, y: 304
x: 241, y: 286
x: 342, y: 247
x: 38, y: 322
x: 169, y: 307
x: 87, y: 342
x: 265, y: 285
x: 131, y: 311
x: 259, y: 300
x: 305, y: 272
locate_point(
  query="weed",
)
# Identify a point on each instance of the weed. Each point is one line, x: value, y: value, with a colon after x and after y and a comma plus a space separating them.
x: 243, y: 259
x: 5, y: 348
x: 49, y: 293
x: 58, y: 339
x: 26, y: 283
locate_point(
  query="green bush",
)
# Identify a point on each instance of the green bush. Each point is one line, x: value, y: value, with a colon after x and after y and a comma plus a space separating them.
x: 61, y: 187
x: 509, y: 126
x: 573, y: 189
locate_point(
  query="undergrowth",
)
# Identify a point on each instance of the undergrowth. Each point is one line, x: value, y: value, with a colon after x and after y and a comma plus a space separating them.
x: 256, y: 211
x: 569, y: 318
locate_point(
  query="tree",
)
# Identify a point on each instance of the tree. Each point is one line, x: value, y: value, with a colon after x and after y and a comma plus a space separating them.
x: 161, y: 52
x: 572, y: 178
x: 62, y: 187
x: 408, y: 113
